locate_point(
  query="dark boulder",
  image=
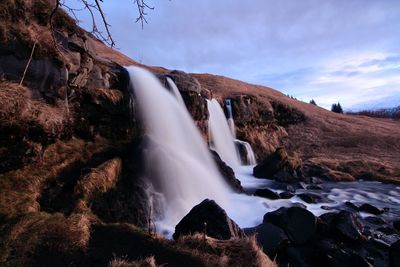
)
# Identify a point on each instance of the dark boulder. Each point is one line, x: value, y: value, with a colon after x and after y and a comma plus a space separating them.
x: 269, y: 236
x: 286, y: 195
x: 394, y: 254
x: 370, y: 209
x: 396, y: 225
x: 227, y: 173
x: 310, y: 198
x: 299, y: 224
x: 315, y: 187
x: 351, y: 205
x: 266, y: 193
x: 347, y: 224
x: 375, y: 220
x: 277, y: 217
x: 279, y: 166
x: 218, y: 224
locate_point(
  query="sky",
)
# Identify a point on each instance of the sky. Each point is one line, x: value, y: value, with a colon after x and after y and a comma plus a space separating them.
x: 326, y: 50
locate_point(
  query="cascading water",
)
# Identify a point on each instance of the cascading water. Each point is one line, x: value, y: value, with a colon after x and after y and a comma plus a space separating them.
x: 250, y: 157
x: 231, y: 122
x: 180, y: 166
x: 220, y: 135
x: 175, y: 91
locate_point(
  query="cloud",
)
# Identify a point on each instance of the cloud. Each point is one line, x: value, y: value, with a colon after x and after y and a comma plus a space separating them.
x: 331, y: 50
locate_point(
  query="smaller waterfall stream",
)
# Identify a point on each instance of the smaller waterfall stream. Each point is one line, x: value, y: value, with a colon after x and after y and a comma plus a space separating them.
x: 221, y: 138
x: 223, y: 135
x: 231, y: 122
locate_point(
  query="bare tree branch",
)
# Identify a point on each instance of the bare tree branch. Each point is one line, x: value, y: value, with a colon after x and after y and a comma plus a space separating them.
x: 142, y: 6
x: 106, y: 25
x: 92, y: 8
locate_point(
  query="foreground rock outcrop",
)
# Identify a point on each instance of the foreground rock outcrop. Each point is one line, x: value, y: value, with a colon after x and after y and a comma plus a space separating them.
x: 210, y: 219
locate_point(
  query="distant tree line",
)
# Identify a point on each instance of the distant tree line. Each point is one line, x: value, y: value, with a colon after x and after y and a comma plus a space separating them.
x: 389, y: 113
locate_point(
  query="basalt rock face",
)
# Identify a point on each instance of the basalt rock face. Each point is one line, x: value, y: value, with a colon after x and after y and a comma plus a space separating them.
x: 208, y: 217
x: 227, y: 173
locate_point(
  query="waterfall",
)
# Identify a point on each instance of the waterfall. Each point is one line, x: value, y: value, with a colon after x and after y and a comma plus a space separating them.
x: 222, y: 133
x: 231, y: 122
x: 179, y: 164
x: 175, y: 91
x: 250, y: 157
x: 221, y: 137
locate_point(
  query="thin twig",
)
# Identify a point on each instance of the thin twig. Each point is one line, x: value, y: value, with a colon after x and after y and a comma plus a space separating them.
x: 28, y: 63
x: 106, y: 25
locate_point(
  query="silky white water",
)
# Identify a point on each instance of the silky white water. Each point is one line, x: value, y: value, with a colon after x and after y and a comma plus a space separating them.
x: 175, y: 91
x: 222, y: 135
x: 221, y: 138
x: 250, y: 157
x: 179, y: 164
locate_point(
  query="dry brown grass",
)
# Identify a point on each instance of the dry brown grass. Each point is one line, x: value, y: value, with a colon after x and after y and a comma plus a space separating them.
x: 20, y: 189
x: 234, y: 252
x: 99, y: 180
x: 40, y: 232
x: 18, y: 108
x: 121, y: 262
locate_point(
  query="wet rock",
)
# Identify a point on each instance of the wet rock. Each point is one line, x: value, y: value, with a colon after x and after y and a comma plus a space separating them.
x: 386, y: 230
x: 279, y: 166
x: 348, y: 259
x: 298, y: 223
x: 351, y: 205
x: 302, y: 185
x: 327, y: 208
x: 347, y: 224
x: 277, y: 217
x: 310, y: 198
x: 266, y: 193
x: 396, y: 225
x: 227, y: 173
x: 286, y: 195
x: 44, y: 76
x: 394, y: 254
x: 299, y: 205
x: 290, y: 188
x: 375, y: 220
x: 301, y: 226
x: 269, y: 236
x: 370, y: 209
x: 219, y: 225
x: 315, y: 187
